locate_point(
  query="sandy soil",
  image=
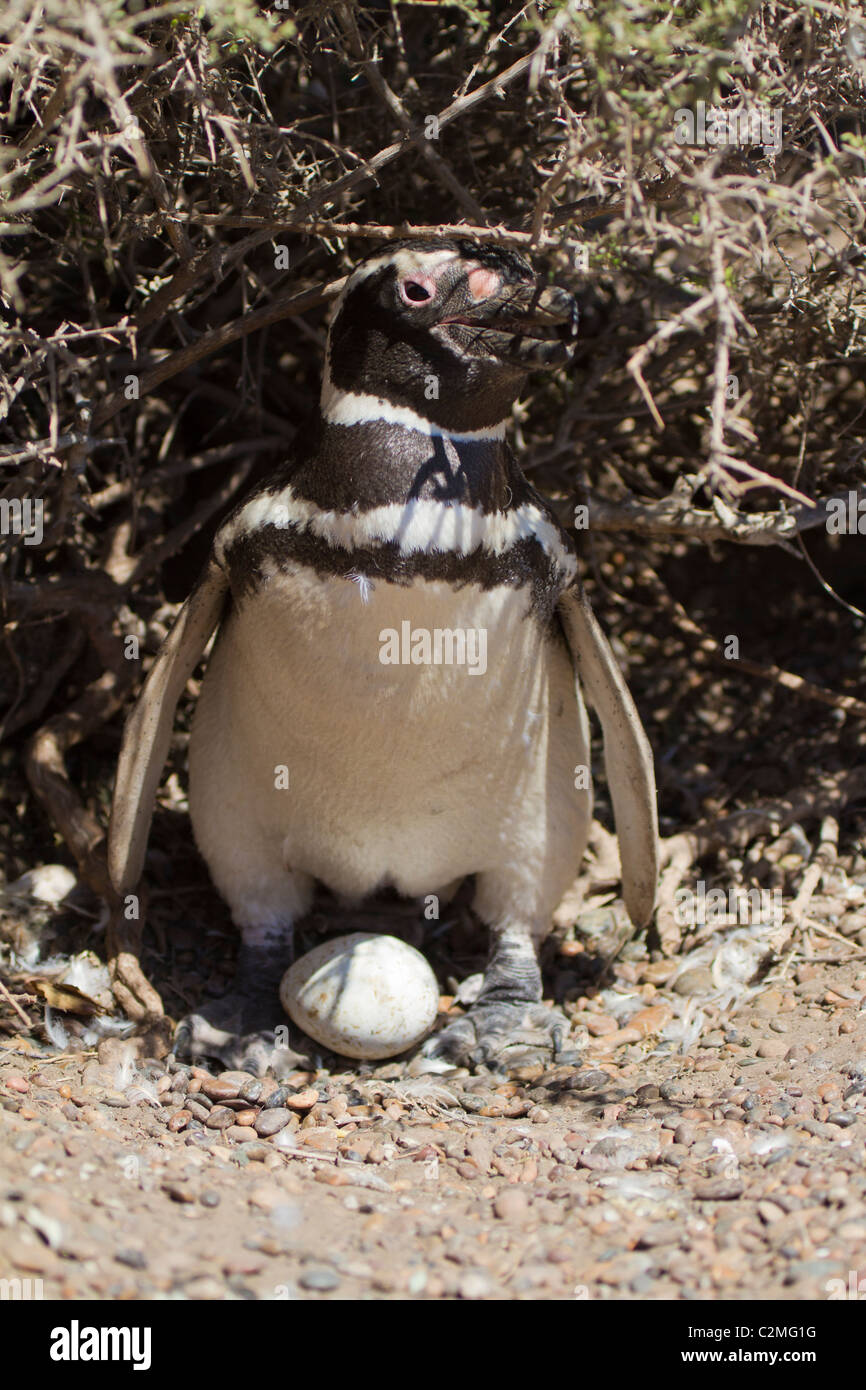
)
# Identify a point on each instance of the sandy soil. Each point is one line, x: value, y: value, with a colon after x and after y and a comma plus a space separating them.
x: 733, y: 1169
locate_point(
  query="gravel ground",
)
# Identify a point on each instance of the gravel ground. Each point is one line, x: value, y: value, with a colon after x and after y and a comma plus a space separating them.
x: 733, y: 1169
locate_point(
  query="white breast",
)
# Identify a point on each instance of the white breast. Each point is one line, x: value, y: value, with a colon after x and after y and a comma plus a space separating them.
x: 413, y: 773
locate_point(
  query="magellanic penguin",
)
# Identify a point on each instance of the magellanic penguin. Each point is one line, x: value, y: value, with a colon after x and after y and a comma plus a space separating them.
x: 394, y: 696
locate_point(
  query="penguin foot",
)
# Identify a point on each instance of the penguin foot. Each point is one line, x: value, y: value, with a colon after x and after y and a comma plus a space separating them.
x: 199, y: 1038
x: 245, y: 1030
x: 501, y: 1036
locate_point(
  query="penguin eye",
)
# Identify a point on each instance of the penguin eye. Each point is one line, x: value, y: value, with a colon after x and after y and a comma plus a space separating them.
x: 416, y: 291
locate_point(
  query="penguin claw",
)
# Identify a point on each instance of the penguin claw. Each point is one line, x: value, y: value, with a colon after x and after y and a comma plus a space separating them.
x: 501, y: 1035
x: 257, y: 1051
x: 245, y: 1030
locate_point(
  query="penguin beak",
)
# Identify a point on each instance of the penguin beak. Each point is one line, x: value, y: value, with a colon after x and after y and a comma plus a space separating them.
x: 522, y: 326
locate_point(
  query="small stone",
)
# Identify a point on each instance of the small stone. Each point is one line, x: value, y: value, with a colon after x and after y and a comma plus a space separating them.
x: 719, y: 1190
x: 303, y: 1100
x: 323, y: 1140
x: 266, y: 1196
x: 277, y: 1098
x: 35, y: 1259
x: 661, y: 1233
x: 821, y: 1270
x: 251, y: 1091
x: 133, y: 1259
x: 644, y: 1095
x: 651, y: 1020
x: 209, y: 1198
x: 768, y: 1003
x: 220, y: 1118
x: 587, y: 1080
x: 599, y: 1024
x: 241, y: 1134
x: 512, y: 1204
x: 475, y: 1283
x: 173, y: 1100
x: 242, y: 1264
x: 319, y: 1280
x: 205, y: 1289
x: 179, y: 1120
x: 259, y: 1152
x: 216, y: 1089
x: 178, y: 1192
x: 271, y: 1121
x: 772, y: 1047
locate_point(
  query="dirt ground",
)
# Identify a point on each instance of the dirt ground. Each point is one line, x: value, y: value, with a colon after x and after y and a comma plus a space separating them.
x: 690, y: 1146
x: 703, y: 1137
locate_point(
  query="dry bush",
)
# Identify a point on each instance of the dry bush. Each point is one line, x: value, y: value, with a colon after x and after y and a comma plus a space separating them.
x: 182, y: 188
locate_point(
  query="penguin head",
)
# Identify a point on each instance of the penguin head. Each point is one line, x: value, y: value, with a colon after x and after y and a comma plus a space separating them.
x: 448, y: 329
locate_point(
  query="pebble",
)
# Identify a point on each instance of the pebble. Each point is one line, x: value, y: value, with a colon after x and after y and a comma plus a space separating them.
x: 588, y: 1080
x: 271, y: 1122
x: 220, y: 1117
x: 652, y: 1019
x: 512, y: 1204
x: 276, y: 1099
x: 132, y: 1258
x: 661, y: 1233
x: 768, y: 1003
x: 475, y: 1283
x: 266, y: 1196
x: 204, y: 1289
x: 719, y: 1190
x: 597, y: 1025
x: 241, y: 1134
x: 216, y: 1089
x: 303, y: 1100
x: 178, y: 1192
x: 319, y: 1280
x: 33, y: 1259
x: 645, y: 1095
x: 553, y: 1166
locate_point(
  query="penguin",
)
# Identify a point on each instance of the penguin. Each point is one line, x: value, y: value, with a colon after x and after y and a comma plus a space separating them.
x: 395, y: 696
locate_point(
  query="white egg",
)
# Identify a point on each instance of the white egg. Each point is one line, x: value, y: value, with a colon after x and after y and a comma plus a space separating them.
x: 362, y: 995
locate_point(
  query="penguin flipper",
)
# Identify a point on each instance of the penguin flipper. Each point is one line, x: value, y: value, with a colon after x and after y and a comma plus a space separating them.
x: 627, y: 754
x: 148, y: 730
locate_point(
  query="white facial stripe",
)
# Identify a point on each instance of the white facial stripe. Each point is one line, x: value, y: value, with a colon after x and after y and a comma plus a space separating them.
x: 405, y: 261
x: 421, y: 526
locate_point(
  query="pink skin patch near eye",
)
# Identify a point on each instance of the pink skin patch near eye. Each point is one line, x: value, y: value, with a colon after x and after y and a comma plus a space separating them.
x: 482, y: 283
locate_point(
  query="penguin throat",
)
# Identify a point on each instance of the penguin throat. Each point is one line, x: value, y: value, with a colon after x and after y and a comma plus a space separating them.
x: 378, y: 461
